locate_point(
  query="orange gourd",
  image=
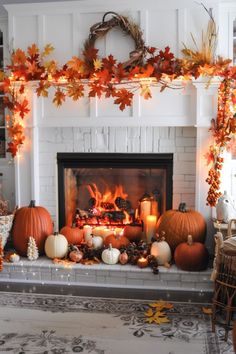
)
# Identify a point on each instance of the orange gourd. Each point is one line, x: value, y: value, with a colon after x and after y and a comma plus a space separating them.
x: 117, y: 241
x: 73, y: 234
x: 31, y: 221
x: 133, y: 233
x: 178, y: 224
x: 191, y: 256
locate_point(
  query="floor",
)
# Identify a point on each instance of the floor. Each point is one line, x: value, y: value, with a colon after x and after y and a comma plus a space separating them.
x: 58, y: 324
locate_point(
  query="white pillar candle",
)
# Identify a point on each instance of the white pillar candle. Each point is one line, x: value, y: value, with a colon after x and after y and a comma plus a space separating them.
x: 105, y: 232
x: 87, y: 232
x: 97, y: 231
x: 119, y: 231
x: 151, y: 221
x: 145, y: 209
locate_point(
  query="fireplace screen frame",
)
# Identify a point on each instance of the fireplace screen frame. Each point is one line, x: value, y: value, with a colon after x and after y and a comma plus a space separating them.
x: 112, y: 160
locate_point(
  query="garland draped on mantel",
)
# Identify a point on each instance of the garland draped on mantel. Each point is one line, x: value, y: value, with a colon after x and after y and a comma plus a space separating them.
x: 105, y: 77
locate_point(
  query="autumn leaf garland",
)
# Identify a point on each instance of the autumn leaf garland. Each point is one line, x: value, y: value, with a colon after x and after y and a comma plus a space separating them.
x: 105, y: 77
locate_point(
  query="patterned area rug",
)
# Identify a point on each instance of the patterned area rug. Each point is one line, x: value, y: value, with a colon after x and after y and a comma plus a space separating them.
x: 45, y: 324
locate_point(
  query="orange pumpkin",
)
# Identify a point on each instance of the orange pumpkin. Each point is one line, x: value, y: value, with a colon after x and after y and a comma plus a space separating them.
x: 117, y: 241
x: 73, y: 234
x: 191, y: 256
x: 178, y: 224
x: 133, y: 233
x: 31, y: 221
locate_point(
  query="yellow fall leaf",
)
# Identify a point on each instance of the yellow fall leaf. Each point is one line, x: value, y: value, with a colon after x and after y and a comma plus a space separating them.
x: 146, y: 92
x: 149, y: 313
x: 160, y: 305
x: 48, y: 49
x: 207, y: 310
x: 158, y: 318
x: 97, y: 64
x: 76, y: 64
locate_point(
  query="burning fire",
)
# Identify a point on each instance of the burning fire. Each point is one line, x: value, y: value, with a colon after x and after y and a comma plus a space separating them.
x: 108, y: 198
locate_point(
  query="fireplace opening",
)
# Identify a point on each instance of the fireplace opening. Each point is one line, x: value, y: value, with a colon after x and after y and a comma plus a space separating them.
x: 113, y: 189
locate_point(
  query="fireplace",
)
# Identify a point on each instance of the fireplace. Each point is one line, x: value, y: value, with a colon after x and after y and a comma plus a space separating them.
x: 108, y: 188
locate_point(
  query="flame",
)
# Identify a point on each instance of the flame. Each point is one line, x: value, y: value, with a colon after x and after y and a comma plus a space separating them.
x: 108, y: 196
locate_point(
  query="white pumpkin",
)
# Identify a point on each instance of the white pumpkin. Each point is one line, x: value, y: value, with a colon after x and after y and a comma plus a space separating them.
x: 56, y: 246
x: 97, y: 242
x: 161, y: 250
x: 110, y: 255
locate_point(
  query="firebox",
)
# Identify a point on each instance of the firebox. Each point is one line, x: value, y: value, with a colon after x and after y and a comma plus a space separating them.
x: 113, y: 188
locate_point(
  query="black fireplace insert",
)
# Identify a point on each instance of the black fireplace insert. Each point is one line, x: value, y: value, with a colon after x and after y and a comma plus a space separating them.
x: 107, y: 188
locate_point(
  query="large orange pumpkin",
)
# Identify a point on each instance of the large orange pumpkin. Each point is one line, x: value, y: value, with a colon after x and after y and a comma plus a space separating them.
x: 178, y: 224
x: 73, y: 234
x: 191, y: 256
x: 117, y: 241
x: 31, y: 221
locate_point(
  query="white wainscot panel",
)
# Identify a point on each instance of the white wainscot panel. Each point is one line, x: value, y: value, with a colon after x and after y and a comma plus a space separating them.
x: 69, y: 109
x: 107, y: 109
x: 171, y: 107
x: 162, y: 27
x: 60, y: 36
x: 85, y: 21
x: 116, y: 42
x: 28, y: 32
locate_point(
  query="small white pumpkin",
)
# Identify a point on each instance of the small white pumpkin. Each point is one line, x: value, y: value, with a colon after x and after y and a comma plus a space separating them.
x: 97, y: 242
x: 56, y: 246
x: 161, y: 250
x: 110, y: 255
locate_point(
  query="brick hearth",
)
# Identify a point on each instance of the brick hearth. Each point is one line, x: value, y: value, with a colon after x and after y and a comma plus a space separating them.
x: 44, y: 272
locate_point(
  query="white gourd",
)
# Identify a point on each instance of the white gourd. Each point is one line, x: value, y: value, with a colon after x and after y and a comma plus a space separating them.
x: 97, y: 242
x: 56, y: 246
x: 110, y: 255
x: 161, y: 250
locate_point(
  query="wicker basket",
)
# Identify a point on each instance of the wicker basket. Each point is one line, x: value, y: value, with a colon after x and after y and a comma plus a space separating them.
x: 5, y: 227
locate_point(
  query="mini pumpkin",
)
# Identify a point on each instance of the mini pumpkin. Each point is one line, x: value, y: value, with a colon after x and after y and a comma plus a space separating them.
x: 56, y: 246
x: 117, y: 241
x: 97, y: 242
x: 133, y: 232
x: 161, y: 250
x: 76, y: 256
x: 73, y: 234
x: 110, y: 255
x: 31, y: 221
x: 191, y: 256
x: 123, y: 258
x: 178, y: 224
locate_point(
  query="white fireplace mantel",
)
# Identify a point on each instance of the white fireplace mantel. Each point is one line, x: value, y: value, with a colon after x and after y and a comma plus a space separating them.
x: 201, y: 103
x: 175, y: 121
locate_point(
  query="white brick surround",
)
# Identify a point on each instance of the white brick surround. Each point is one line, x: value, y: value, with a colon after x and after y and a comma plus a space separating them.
x: 180, y: 141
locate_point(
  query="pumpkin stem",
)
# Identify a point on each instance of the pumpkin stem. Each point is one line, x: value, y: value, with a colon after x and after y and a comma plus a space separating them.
x: 56, y: 233
x: 110, y: 246
x: 190, y: 240
x: 182, y: 207
x: 32, y: 204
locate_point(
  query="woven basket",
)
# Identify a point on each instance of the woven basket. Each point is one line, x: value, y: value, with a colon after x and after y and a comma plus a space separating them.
x: 5, y: 227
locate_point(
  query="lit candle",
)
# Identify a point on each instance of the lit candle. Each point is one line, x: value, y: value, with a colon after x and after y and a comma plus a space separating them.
x: 142, y: 262
x: 87, y: 232
x: 119, y: 231
x: 105, y: 232
x: 97, y: 231
x: 145, y: 209
x: 151, y: 221
x: 14, y: 258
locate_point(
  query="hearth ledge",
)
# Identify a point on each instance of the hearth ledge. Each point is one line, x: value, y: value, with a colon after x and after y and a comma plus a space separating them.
x: 44, y: 272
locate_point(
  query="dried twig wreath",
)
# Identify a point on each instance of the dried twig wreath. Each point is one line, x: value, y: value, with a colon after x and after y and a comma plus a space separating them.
x: 100, y: 29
